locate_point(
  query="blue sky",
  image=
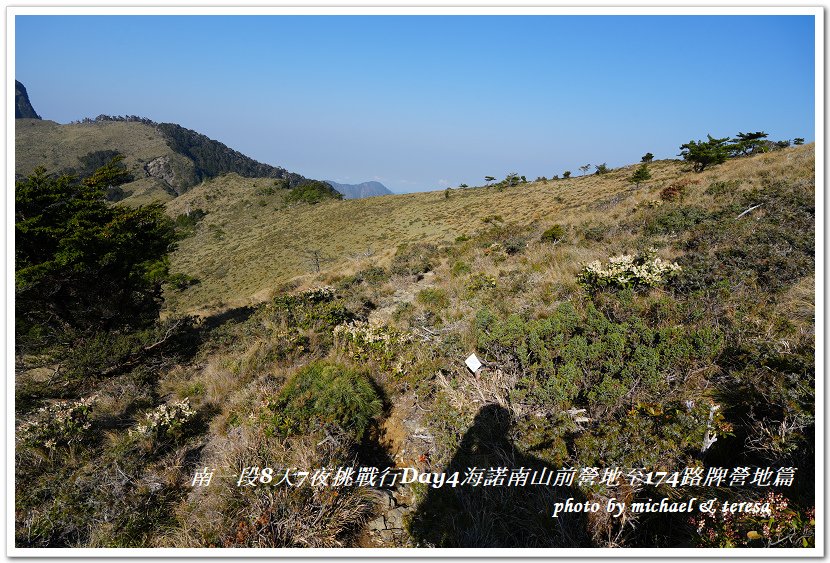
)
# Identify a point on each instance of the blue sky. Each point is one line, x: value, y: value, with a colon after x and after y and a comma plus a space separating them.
x: 425, y: 102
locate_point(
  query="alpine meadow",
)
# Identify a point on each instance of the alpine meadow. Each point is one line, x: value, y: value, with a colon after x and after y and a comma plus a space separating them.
x: 215, y: 352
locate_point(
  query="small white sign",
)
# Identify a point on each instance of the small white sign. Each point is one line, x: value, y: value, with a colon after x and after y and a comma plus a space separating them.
x: 473, y: 363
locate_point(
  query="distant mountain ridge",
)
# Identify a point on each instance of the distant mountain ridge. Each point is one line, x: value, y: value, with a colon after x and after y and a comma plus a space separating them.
x: 22, y: 106
x: 360, y: 191
x: 165, y: 159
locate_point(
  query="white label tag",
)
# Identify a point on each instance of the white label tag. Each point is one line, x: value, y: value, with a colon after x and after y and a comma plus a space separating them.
x: 473, y: 363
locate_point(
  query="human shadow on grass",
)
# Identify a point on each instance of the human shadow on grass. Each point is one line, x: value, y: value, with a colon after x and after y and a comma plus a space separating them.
x: 497, y: 515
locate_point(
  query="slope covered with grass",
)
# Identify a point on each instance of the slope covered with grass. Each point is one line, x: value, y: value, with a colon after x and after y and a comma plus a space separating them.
x: 251, y: 241
x: 666, y: 327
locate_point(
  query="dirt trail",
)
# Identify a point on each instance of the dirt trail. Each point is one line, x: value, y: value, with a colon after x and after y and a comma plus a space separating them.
x: 407, y: 441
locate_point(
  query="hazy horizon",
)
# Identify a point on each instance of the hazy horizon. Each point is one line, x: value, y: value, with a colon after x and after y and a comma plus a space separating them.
x: 427, y: 102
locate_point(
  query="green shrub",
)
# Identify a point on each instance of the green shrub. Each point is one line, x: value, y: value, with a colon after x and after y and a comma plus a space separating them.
x: 83, y: 264
x: 414, y: 259
x: 595, y: 233
x: 459, y: 268
x: 58, y: 424
x: 675, y: 220
x: 108, y: 353
x: 514, y: 245
x: 574, y: 347
x: 774, y: 248
x: 186, y: 223
x: 168, y: 421
x: 312, y: 192
x: 554, y: 234
x: 324, y: 394
x: 480, y: 281
x: 180, y: 281
x: 721, y: 188
x: 373, y: 275
x: 316, y: 309
x: 433, y: 298
x: 383, y: 346
x: 403, y: 312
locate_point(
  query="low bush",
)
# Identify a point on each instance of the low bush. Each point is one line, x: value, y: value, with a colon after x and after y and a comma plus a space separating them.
x: 575, y: 356
x: 640, y: 271
x: 554, y: 234
x: 459, y: 268
x: 324, y: 394
x: 186, y: 223
x: 672, y: 220
x: 316, y: 309
x: 414, y: 259
x: 677, y: 190
x: 782, y: 526
x: 58, y: 424
x: 721, y: 188
x: 168, y: 421
x: 514, y: 245
x: 433, y: 298
x: 595, y: 233
x: 381, y: 346
x: 480, y: 281
x: 312, y: 192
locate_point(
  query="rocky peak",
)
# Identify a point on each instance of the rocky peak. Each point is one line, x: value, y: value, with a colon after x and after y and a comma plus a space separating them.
x: 22, y: 106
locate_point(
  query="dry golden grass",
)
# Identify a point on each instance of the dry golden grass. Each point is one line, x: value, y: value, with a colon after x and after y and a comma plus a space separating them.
x: 57, y: 147
x: 249, y: 244
x: 798, y: 303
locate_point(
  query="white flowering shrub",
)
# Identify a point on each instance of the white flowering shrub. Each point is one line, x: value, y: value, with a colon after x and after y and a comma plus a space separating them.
x: 628, y: 271
x: 380, y: 344
x: 167, y: 420
x: 319, y: 294
x: 58, y: 424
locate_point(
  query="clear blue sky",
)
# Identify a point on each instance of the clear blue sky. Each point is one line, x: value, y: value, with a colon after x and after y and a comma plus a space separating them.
x: 424, y: 102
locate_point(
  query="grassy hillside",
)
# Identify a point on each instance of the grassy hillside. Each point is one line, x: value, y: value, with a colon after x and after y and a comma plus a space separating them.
x: 164, y: 159
x: 250, y: 244
x: 669, y: 327
x: 59, y: 147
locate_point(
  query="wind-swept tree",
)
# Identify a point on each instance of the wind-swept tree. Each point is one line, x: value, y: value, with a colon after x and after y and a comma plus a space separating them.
x: 705, y: 153
x: 745, y: 144
x: 648, y: 157
x: 585, y: 168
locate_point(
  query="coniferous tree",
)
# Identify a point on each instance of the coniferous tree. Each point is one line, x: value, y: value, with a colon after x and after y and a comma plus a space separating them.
x: 640, y: 175
x: 705, y: 153
x: 82, y: 264
x: 745, y: 144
